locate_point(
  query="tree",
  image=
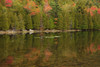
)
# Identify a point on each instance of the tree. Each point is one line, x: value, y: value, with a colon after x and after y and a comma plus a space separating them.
x: 4, y: 19
x: 36, y: 21
x: 16, y: 24
x: 32, y: 7
x: 90, y: 22
x: 29, y: 24
x: 84, y: 24
x: 60, y: 24
x: 21, y: 22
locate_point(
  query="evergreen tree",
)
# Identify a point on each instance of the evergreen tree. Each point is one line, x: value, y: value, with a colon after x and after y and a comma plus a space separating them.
x: 36, y: 21
x: 60, y: 24
x: 84, y: 24
x: 45, y: 21
x: 17, y: 23
x: 4, y: 23
x: 90, y: 23
x: 29, y: 22
x: 4, y: 19
x: 12, y: 19
x: 0, y: 16
x: 95, y: 22
x: 21, y: 22
x: 51, y: 23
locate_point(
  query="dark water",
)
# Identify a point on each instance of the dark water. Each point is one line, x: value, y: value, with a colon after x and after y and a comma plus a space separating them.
x: 73, y: 49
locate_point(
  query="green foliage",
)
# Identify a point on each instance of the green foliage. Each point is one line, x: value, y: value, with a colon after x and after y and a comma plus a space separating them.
x: 51, y: 23
x: 84, y: 24
x: 69, y: 14
x: 4, y: 25
x: 45, y: 21
x: 36, y: 21
x: 21, y: 22
x: 29, y: 24
x: 90, y: 22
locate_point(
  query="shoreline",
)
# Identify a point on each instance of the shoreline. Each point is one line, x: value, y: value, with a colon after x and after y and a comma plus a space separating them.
x: 35, y: 31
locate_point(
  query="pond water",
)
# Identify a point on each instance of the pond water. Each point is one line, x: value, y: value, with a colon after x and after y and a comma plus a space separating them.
x: 72, y: 49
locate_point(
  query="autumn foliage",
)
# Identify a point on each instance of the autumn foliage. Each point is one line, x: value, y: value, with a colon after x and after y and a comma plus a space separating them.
x: 74, y: 4
x: 92, y: 9
x: 98, y: 10
x: 47, y: 7
x: 9, y: 60
x: 92, y: 48
x: 8, y: 3
x: 32, y: 7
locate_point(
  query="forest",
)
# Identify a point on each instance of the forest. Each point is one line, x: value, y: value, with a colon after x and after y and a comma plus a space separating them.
x: 49, y: 14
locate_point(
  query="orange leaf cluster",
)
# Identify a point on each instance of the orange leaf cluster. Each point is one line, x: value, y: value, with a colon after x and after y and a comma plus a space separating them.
x: 48, y: 54
x: 32, y: 7
x: 47, y: 7
x: 74, y: 4
x: 56, y: 19
x: 32, y: 55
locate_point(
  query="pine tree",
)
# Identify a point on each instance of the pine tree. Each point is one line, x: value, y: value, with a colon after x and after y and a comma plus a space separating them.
x: 12, y: 19
x: 4, y: 19
x: 36, y: 21
x: 29, y: 22
x: 8, y: 16
x: 21, y: 22
x: 51, y: 23
x: 90, y: 22
x: 60, y: 24
x: 95, y: 22
x: 84, y: 24
x: 66, y: 23
x: 45, y: 21
x: 76, y: 21
x: 16, y: 24
x: 5, y: 24
x: 1, y: 17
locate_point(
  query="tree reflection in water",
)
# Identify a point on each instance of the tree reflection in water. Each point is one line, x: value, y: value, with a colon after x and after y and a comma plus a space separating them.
x: 50, y: 50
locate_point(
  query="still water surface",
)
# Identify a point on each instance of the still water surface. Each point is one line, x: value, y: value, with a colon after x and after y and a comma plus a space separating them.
x: 72, y: 49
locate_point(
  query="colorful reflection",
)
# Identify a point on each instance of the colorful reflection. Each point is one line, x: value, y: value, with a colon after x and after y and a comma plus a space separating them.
x: 78, y: 49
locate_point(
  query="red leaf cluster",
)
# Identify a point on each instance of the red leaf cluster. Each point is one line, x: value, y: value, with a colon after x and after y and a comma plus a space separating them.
x: 8, y: 3
x: 47, y: 7
x: 9, y: 60
x: 92, y: 48
x: 32, y: 7
x: 55, y: 22
x: 98, y: 47
x: 98, y: 10
x: 92, y: 9
x: 91, y: 13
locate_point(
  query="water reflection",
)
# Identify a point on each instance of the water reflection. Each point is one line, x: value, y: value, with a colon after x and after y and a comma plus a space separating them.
x: 74, y: 49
